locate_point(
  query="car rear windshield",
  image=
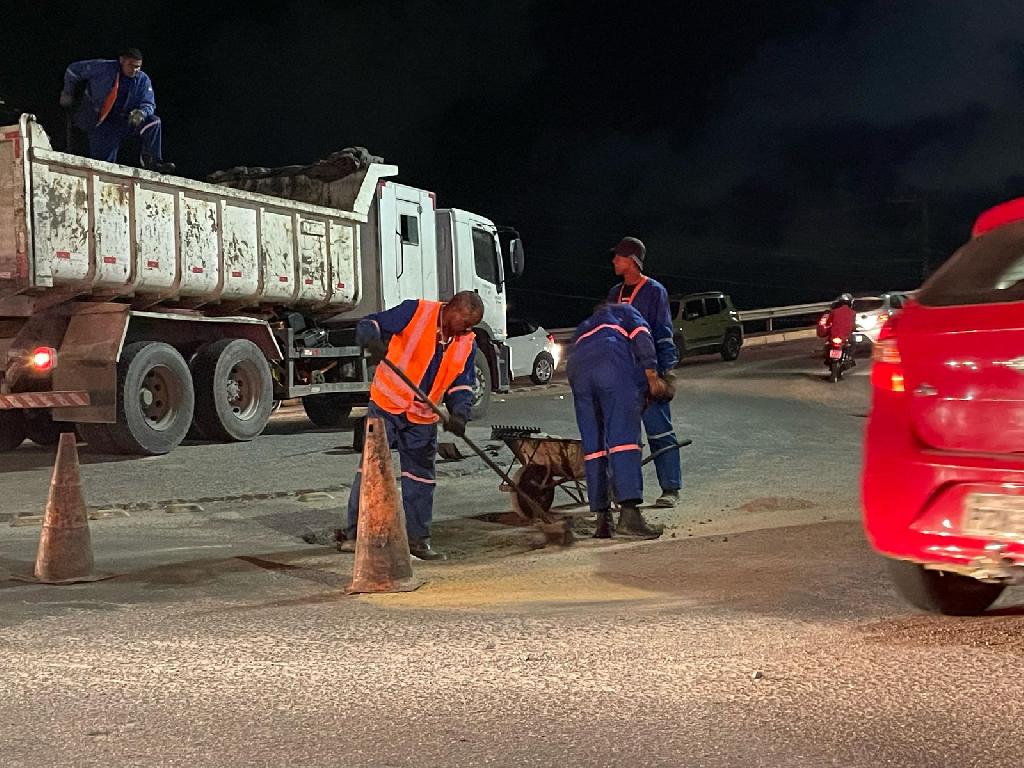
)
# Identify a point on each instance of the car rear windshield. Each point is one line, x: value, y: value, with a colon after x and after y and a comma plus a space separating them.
x: 867, y: 305
x: 987, y: 270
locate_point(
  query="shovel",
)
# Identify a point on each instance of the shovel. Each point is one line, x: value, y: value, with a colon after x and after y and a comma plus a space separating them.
x: 553, y: 530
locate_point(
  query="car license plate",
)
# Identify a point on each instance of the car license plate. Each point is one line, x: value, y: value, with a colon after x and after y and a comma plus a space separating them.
x: 835, y: 354
x: 993, y: 515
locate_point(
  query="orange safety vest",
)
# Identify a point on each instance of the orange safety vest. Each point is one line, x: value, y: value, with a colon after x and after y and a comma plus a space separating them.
x: 411, y: 350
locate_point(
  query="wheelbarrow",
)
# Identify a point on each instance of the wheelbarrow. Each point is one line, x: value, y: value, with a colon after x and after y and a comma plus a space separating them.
x: 548, y: 463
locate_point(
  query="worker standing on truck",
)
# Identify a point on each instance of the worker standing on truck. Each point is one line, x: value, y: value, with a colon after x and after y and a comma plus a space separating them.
x: 117, y: 102
x: 650, y: 299
x: 434, y: 345
x: 612, y: 369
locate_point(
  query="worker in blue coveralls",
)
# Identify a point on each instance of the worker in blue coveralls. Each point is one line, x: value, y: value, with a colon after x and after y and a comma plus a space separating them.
x: 434, y: 345
x: 117, y: 102
x: 612, y: 370
x: 650, y: 299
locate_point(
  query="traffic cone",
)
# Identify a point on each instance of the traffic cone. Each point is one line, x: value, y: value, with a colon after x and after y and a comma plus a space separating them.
x: 382, y: 562
x: 65, y: 548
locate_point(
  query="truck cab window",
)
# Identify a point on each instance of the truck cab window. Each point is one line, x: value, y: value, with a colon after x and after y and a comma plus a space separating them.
x: 410, y: 229
x: 485, y: 256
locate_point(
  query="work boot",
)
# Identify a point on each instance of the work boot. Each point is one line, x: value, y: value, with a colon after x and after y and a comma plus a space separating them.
x: 347, y: 545
x: 421, y: 548
x: 604, y: 524
x: 632, y: 523
x: 157, y: 166
x: 667, y: 499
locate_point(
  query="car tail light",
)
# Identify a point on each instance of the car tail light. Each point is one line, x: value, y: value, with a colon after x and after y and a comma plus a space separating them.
x: 551, y: 339
x: 887, y: 372
x: 44, y: 358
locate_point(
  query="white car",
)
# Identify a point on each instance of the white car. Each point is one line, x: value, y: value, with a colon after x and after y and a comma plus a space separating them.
x: 534, y: 351
x: 872, y: 312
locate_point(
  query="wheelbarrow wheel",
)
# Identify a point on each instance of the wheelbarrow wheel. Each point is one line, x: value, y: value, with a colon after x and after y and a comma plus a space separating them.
x: 533, y: 481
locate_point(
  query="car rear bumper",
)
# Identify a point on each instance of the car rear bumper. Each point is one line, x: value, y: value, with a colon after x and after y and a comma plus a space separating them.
x: 924, y: 508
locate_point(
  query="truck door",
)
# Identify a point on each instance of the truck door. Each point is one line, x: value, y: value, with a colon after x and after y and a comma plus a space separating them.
x: 409, y: 264
x: 489, y: 276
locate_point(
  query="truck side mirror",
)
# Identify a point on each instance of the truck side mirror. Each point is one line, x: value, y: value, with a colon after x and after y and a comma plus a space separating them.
x: 517, y: 257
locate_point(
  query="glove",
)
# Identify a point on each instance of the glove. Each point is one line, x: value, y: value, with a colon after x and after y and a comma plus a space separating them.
x: 368, y: 337
x: 66, y: 100
x: 135, y: 118
x: 456, y: 425
x: 659, y: 389
x: 376, y: 349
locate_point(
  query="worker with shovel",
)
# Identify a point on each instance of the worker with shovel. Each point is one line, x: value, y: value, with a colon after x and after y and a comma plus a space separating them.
x: 612, y: 370
x: 434, y: 346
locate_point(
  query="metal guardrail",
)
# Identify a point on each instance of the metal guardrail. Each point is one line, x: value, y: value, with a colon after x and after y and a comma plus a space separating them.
x: 793, y: 310
x: 767, y: 315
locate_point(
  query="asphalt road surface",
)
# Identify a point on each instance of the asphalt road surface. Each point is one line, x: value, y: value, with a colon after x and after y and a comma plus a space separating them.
x: 759, y: 631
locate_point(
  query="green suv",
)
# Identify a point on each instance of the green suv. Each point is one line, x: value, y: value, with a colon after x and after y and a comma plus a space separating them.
x: 704, y: 323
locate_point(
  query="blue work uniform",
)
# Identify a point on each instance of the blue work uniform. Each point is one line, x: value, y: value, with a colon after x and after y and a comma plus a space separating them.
x: 611, y: 350
x: 650, y: 299
x: 416, y: 443
x: 103, y: 77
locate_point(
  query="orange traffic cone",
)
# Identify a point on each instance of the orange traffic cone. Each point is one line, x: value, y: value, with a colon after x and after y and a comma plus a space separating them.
x: 65, y: 549
x: 382, y: 562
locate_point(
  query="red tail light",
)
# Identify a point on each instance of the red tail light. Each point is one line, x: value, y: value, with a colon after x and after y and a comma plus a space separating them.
x: 44, y: 358
x: 551, y: 339
x: 836, y: 341
x: 887, y: 372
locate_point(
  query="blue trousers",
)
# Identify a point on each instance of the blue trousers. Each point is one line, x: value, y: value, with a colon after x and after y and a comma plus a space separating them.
x: 608, y: 409
x: 105, y: 139
x: 417, y: 451
x: 658, y: 425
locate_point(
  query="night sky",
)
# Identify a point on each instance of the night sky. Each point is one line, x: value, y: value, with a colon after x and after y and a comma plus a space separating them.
x: 780, y: 151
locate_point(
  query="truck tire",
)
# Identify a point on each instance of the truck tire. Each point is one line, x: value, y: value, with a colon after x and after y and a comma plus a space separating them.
x: 155, y: 399
x: 330, y: 410
x: 12, y: 429
x: 481, y: 386
x: 942, y: 591
x: 42, y: 430
x: 731, y: 346
x: 98, y: 438
x: 234, y: 390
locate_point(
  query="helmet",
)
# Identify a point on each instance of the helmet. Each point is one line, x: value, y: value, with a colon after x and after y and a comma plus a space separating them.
x: 844, y: 298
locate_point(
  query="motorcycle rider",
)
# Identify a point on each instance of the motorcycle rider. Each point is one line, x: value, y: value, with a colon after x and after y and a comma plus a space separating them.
x: 839, y: 321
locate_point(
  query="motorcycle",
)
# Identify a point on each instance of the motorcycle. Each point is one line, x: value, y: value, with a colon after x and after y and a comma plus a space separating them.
x: 838, y: 357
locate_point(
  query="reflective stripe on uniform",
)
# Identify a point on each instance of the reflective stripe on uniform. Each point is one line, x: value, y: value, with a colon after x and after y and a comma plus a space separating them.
x: 425, y: 480
x: 625, y: 447
x: 595, y: 455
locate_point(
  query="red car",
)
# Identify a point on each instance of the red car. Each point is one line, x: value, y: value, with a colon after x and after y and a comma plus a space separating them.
x: 943, y: 482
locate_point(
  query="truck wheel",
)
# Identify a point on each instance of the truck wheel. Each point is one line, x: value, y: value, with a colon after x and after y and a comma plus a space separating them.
x: 942, y: 591
x: 481, y: 386
x: 42, y: 430
x: 234, y: 390
x: 543, y: 368
x: 12, y: 429
x: 98, y: 438
x: 731, y: 346
x: 155, y: 399
x: 329, y: 411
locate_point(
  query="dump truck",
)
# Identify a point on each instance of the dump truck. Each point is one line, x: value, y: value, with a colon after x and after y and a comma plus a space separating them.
x: 139, y: 308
